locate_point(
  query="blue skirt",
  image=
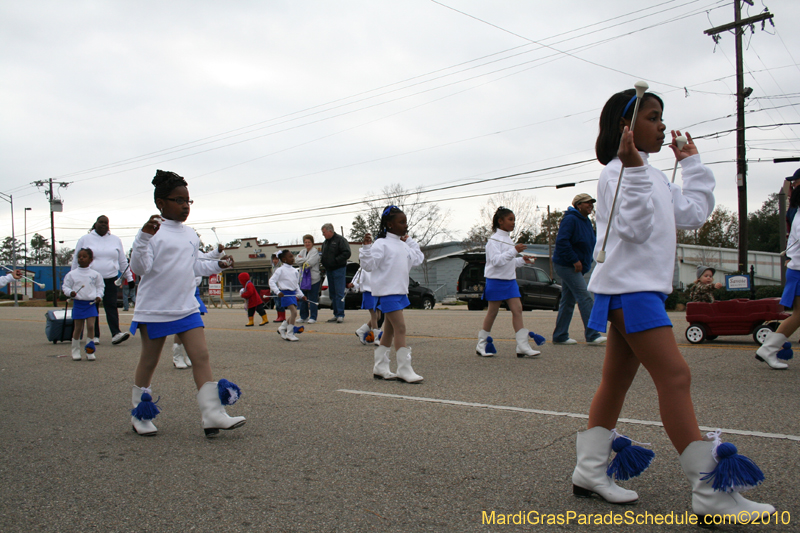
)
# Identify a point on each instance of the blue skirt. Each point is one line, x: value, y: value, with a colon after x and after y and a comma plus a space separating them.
x: 82, y: 309
x: 641, y: 310
x: 289, y: 298
x: 392, y: 302
x: 792, y: 288
x: 500, y: 289
x: 203, y: 308
x: 368, y: 301
x: 157, y: 330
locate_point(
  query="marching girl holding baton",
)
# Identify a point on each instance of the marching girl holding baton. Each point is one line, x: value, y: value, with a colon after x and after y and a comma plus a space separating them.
x: 166, y: 257
x: 85, y: 286
x: 389, y: 261
x: 630, y: 288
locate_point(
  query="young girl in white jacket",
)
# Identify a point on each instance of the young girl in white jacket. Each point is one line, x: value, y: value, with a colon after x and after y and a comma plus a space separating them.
x: 501, y: 285
x: 166, y: 257
x: 86, y: 287
x: 389, y: 262
x: 630, y: 288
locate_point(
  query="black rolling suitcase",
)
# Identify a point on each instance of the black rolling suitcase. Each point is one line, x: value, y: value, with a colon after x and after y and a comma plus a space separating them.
x: 59, y: 325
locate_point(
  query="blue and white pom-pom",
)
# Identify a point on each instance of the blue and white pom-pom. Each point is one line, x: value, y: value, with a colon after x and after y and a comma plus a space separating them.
x: 538, y: 339
x: 630, y: 460
x: 147, y: 409
x: 229, y: 392
x: 786, y: 353
x: 734, y: 472
x: 489, y: 348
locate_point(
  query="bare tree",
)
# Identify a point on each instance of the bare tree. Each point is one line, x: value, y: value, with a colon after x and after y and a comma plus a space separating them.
x: 524, y: 208
x: 427, y: 221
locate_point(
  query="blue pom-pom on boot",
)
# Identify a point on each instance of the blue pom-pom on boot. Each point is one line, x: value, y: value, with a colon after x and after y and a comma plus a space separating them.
x: 229, y: 392
x: 733, y: 472
x: 786, y: 352
x: 538, y: 339
x: 630, y: 460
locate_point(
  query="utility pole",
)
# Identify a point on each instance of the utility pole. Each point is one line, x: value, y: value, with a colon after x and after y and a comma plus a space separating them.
x: 55, y: 205
x: 738, y: 26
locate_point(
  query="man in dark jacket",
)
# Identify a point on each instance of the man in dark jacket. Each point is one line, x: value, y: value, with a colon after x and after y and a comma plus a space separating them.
x: 335, y: 253
x: 572, y: 259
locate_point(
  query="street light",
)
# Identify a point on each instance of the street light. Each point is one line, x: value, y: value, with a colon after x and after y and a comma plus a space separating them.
x: 10, y: 199
x: 26, y: 245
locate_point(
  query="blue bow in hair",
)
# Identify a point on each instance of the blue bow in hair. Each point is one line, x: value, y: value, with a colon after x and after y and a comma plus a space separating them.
x: 389, y: 209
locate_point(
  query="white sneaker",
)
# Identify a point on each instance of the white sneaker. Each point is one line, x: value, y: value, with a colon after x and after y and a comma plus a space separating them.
x: 311, y: 321
x: 96, y: 340
x: 599, y: 341
x: 339, y: 320
x: 568, y: 341
x: 122, y: 336
x: 299, y: 321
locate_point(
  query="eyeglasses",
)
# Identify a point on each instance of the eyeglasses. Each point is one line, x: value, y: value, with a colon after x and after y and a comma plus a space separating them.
x: 180, y: 201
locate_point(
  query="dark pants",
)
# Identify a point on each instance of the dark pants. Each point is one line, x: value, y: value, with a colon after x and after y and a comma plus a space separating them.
x: 110, y: 306
x: 252, y: 310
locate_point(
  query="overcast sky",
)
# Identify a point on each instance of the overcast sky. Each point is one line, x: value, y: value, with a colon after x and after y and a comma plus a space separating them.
x: 271, y: 107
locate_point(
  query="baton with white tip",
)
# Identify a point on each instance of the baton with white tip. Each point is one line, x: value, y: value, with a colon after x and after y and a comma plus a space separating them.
x: 641, y: 87
x: 680, y: 141
x: 40, y: 285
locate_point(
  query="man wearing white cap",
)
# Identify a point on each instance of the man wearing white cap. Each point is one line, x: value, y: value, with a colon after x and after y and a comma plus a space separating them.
x: 572, y: 260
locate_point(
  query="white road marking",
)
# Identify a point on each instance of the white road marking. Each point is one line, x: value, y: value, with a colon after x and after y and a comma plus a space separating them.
x: 560, y: 413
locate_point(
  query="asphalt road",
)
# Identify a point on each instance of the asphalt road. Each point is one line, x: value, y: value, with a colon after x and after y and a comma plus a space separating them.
x: 327, y: 448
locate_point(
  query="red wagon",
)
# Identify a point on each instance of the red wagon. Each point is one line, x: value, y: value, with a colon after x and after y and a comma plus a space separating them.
x: 707, y: 321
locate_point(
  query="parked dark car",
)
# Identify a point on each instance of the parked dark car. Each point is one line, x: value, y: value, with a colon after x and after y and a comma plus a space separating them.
x: 538, y: 290
x: 419, y: 296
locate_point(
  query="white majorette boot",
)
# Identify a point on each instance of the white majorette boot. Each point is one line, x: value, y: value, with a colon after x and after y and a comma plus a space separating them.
x: 523, y: 346
x: 282, y: 329
x: 768, y: 352
x: 177, y: 356
x: 143, y: 412
x: 485, y: 347
x: 76, y: 349
x: 212, y: 398
x: 404, y: 370
x: 381, y: 368
x: 716, y: 494
x: 590, y: 477
x: 290, y: 334
x: 376, y: 333
x: 361, y: 333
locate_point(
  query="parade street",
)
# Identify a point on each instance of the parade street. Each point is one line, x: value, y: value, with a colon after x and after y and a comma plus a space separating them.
x: 479, y: 443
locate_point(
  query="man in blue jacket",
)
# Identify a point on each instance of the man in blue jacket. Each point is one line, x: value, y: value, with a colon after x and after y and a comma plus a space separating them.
x: 572, y: 259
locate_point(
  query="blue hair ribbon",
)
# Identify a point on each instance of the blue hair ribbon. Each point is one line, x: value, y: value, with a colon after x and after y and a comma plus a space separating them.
x: 628, y: 105
x: 389, y: 209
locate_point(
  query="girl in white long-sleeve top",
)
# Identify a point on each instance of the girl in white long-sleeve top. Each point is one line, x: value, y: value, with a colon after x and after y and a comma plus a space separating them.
x: 630, y: 289
x: 167, y: 258
x: 501, y: 285
x: 389, y: 262
x: 285, y: 284
x: 86, y: 287
x: 362, y: 282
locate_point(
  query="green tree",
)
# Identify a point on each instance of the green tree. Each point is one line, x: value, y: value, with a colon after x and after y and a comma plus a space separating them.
x: 8, y: 249
x: 64, y: 256
x: 764, y: 227
x: 549, y: 227
x: 40, y: 250
x: 362, y: 226
x: 721, y: 230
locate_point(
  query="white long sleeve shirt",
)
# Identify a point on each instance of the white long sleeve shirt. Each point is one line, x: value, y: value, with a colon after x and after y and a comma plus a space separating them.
x: 501, y: 257
x: 640, y: 253
x: 109, y: 256
x: 793, y: 245
x: 285, y: 279
x: 390, y: 260
x: 5, y: 280
x: 89, y: 279
x: 167, y: 264
x: 362, y: 281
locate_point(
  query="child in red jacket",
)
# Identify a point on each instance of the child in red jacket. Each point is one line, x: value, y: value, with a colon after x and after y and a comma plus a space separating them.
x: 254, y: 301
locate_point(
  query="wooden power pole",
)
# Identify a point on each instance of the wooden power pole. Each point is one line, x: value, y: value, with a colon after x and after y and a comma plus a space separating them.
x: 742, y: 92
